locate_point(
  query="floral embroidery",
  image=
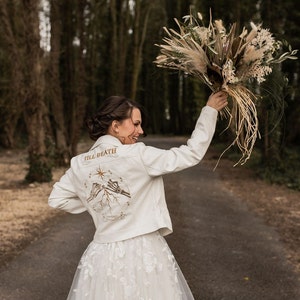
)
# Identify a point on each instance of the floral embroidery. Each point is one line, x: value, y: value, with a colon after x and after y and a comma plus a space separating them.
x: 137, y: 269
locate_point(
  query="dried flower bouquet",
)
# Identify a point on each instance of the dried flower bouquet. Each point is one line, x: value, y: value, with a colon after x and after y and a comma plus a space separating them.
x: 228, y: 61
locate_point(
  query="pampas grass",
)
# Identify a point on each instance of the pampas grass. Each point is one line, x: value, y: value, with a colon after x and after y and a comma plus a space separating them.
x: 225, y: 60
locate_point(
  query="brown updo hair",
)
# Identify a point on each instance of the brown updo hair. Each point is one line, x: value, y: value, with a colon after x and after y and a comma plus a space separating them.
x: 113, y: 108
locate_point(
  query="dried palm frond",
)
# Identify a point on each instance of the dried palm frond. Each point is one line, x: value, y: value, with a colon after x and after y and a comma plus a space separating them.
x: 225, y: 61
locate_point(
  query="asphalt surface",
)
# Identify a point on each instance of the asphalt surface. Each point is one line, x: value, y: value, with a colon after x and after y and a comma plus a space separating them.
x: 224, y: 250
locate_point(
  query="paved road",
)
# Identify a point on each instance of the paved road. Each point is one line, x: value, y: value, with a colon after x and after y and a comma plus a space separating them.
x: 225, y: 251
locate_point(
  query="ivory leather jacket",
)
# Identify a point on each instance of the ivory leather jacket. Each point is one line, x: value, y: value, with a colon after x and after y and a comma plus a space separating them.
x: 121, y: 186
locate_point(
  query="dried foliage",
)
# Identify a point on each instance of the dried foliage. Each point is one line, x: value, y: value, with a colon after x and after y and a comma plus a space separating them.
x: 226, y: 60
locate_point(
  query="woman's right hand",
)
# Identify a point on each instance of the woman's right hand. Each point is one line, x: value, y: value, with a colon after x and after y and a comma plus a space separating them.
x: 218, y: 100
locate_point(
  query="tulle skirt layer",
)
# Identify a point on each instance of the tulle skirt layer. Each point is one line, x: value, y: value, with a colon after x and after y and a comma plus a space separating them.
x: 141, y: 268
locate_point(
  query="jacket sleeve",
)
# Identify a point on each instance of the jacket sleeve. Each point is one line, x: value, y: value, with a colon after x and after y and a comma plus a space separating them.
x: 158, y: 162
x: 64, y: 196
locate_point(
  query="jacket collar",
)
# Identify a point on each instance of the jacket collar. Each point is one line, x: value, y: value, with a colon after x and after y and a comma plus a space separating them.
x: 106, y: 139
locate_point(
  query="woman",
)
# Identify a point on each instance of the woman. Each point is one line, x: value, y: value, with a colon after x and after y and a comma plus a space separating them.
x: 119, y: 182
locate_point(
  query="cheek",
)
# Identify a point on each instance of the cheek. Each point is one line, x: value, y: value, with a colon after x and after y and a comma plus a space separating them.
x: 132, y: 129
x: 128, y: 129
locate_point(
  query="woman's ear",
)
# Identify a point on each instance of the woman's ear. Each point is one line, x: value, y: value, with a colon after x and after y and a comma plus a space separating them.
x: 115, y: 126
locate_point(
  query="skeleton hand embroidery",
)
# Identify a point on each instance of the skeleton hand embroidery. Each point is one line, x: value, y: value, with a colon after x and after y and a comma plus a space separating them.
x: 96, y: 189
x: 114, y: 187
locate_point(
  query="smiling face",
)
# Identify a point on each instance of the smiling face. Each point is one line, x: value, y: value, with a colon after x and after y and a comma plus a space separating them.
x: 128, y: 130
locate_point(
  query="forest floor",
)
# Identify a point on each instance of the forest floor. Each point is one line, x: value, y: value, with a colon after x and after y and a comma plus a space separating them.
x: 25, y: 215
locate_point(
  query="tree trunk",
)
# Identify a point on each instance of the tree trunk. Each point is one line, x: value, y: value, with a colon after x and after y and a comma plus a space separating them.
x: 63, y: 154
x: 113, y: 47
x: 273, y: 104
x: 11, y: 108
x: 120, y: 27
x: 39, y: 168
x: 123, y: 47
x: 139, y: 32
x: 80, y: 99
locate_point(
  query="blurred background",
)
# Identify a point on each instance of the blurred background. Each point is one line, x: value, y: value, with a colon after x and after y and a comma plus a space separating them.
x: 60, y: 59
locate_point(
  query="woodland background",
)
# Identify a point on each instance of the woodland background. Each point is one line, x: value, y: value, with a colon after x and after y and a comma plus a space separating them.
x: 60, y: 59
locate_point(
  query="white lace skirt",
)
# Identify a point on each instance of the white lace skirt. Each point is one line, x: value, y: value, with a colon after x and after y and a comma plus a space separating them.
x: 141, y: 268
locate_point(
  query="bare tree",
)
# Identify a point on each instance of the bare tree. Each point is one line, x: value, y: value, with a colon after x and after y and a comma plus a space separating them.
x: 119, y: 14
x: 20, y: 20
x: 33, y: 101
x: 73, y: 68
x: 79, y: 89
x: 55, y: 92
x: 141, y: 17
x: 11, y: 107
